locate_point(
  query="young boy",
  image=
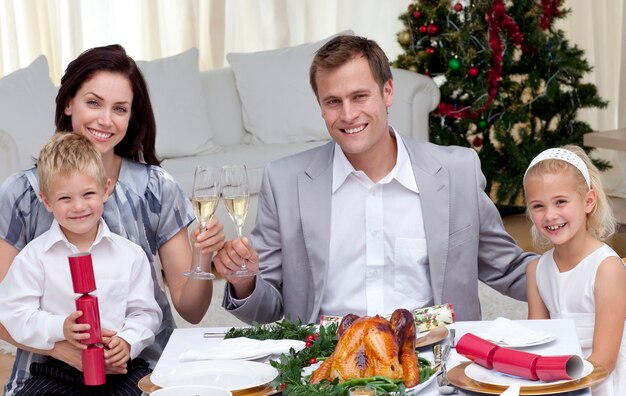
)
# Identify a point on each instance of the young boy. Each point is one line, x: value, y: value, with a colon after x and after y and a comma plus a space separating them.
x: 37, y: 299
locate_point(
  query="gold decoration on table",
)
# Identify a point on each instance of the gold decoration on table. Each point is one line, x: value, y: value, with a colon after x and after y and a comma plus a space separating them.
x: 458, y: 378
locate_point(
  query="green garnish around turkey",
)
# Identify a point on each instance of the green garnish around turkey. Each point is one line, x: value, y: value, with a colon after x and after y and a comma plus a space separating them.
x: 320, y: 345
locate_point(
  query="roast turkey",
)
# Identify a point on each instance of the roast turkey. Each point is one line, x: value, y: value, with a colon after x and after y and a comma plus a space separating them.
x: 369, y: 346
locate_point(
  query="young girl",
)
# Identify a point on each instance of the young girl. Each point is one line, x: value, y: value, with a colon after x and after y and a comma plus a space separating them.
x: 581, y: 277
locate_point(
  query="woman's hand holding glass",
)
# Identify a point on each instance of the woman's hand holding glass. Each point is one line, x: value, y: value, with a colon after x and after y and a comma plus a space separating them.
x: 211, y: 238
x: 204, y: 198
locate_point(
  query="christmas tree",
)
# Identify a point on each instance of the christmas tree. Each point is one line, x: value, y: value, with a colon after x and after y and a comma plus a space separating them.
x: 511, y: 84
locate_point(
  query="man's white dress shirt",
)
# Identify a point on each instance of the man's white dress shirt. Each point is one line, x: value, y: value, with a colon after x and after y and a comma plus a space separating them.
x: 378, y: 258
x: 37, y: 294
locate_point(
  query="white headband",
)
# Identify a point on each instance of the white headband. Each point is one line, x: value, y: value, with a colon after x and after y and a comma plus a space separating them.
x: 563, y: 155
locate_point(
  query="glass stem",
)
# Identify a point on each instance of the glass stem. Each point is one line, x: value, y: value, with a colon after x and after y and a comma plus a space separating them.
x: 244, y: 263
x: 198, y: 259
x: 198, y: 251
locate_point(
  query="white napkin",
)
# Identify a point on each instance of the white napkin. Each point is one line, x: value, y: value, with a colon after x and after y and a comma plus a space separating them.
x: 241, y: 348
x: 512, y: 390
x: 508, y: 332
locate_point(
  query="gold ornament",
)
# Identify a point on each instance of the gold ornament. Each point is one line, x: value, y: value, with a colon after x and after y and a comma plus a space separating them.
x: 404, y: 38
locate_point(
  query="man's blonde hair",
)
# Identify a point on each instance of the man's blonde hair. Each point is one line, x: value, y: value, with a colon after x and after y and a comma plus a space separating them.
x: 65, y: 153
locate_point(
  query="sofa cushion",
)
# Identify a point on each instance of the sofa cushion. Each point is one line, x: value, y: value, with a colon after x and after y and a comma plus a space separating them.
x: 254, y: 157
x: 278, y: 104
x: 223, y: 106
x: 27, y: 109
x: 179, y: 105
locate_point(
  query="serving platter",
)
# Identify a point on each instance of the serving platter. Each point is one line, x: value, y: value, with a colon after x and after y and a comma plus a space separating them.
x: 417, y: 388
x: 458, y: 378
x: 307, y: 371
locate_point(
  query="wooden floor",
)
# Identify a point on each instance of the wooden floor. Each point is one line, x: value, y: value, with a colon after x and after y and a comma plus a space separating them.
x: 518, y: 226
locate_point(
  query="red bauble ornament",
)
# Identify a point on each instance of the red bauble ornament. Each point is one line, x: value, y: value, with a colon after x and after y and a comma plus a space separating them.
x: 477, y: 142
x: 432, y: 29
x: 417, y: 14
x: 473, y: 72
x: 422, y: 29
x: 430, y: 50
x: 458, y: 7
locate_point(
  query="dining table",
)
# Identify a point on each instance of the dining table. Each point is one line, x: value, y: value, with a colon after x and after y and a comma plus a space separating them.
x: 563, y: 342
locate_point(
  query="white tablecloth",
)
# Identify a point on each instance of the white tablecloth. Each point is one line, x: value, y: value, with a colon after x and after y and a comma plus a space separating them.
x: 566, y: 343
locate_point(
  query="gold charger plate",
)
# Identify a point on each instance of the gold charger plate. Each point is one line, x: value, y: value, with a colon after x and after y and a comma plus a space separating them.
x: 434, y: 335
x: 458, y: 378
x: 265, y: 390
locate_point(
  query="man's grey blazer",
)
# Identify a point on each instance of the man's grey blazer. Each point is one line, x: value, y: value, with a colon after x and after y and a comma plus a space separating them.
x: 465, y: 237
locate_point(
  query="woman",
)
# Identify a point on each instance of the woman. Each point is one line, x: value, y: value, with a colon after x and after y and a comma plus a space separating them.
x: 104, y: 97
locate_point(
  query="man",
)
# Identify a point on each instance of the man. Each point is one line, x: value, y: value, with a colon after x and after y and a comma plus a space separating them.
x: 371, y: 221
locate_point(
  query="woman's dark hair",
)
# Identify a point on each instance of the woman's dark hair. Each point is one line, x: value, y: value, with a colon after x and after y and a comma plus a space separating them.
x: 139, y: 142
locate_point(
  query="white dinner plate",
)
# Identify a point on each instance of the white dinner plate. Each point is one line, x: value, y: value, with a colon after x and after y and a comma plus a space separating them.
x: 527, y: 344
x: 229, y: 374
x: 491, y: 377
x: 422, y: 334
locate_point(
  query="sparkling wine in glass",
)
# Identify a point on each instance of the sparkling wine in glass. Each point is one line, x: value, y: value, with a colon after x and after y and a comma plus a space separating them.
x: 235, y: 194
x: 204, y: 198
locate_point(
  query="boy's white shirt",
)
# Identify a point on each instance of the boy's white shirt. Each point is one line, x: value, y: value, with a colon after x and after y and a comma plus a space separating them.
x: 37, y: 294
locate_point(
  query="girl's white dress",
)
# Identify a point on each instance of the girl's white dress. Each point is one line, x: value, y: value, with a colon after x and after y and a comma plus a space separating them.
x: 571, y: 295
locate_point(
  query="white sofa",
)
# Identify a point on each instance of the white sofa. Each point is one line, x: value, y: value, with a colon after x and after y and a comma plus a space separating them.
x: 205, y: 117
x: 415, y: 96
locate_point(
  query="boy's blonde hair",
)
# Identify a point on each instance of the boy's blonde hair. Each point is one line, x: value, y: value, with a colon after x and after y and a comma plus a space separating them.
x: 65, y: 153
x: 601, y: 222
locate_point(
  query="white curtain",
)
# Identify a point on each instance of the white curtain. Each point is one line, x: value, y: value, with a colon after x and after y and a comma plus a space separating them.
x: 151, y: 29
x: 598, y: 27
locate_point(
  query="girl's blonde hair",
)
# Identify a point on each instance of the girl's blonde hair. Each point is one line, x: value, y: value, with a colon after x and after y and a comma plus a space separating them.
x: 601, y: 222
x: 65, y: 153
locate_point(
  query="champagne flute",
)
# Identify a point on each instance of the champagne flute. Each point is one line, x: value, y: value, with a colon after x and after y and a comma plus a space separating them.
x: 235, y: 194
x: 204, y: 198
